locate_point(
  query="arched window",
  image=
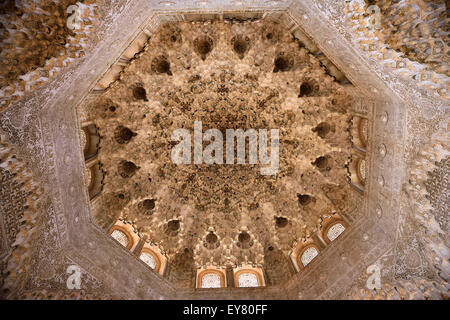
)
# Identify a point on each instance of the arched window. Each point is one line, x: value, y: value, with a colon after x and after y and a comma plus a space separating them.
x: 121, y: 235
x: 308, y: 255
x: 332, y: 227
x: 363, y: 131
x: 150, y: 258
x: 305, y: 251
x: 335, y: 231
x: 359, y: 132
x: 361, y: 171
x: 89, y: 140
x: 357, y: 170
x: 94, y: 177
x: 247, y: 278
x: 211, y: 279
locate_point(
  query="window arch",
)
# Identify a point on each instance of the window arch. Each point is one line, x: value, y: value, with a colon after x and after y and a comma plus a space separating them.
x: 122, y: 236
x: 357, y: 170
x: 211, y: 279
x: 363, y: 131
x: 334, y: 231
x: 306, y: 250
x: 89, y: 140
x: 332, y: 227
x: 150, y: 258
x: 360, y: 133
x: 247, y: 278
x: 94, y: 177
x: 361, y: 171
x: 307, y: 255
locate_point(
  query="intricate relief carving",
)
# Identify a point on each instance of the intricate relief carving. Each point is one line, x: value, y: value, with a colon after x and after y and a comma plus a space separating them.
x: 20, y: 210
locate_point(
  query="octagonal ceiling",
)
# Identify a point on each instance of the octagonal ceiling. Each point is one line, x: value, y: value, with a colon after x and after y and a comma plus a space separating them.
x: 124, y: 103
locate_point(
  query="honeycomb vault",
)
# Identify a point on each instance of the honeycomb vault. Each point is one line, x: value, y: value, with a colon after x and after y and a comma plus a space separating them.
x: 229, y: 75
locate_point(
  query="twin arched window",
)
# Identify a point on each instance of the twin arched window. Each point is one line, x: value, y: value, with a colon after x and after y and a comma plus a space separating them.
x: 244, y: 278
x: 149, y: 254
x: 306, y: 251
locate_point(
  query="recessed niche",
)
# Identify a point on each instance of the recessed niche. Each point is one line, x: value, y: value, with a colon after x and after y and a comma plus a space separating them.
x: 281, y: 222
x: 127, y: 169
x: 139, y: 93
x: 308, y: 89
x: 282, y: 63
x: 211, y: 238
x: 211, y: 241
x: 147, y: 206
x: 244, y: 240
x: 321, y: 162
x: 161, y: 65
x: 271, y: 34
x: 244, y: 237
x: 322, y: 129
x: 173, y: 225
x: 304, y: 199
x: 123, y: 134
x: 95, y: 176
x: 203, y: 45
x: 240, y: 45
x: 305, y: 89
x: 171, y: 36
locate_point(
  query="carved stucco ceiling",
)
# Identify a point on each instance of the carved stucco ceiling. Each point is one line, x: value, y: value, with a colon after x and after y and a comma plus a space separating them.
x: 229, y: 75
x: 49, y: 131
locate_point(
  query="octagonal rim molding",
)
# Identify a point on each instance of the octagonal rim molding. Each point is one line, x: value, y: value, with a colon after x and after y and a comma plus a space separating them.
x: 168, y: 6
x: 181, y: 292
x: 73, y: 214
